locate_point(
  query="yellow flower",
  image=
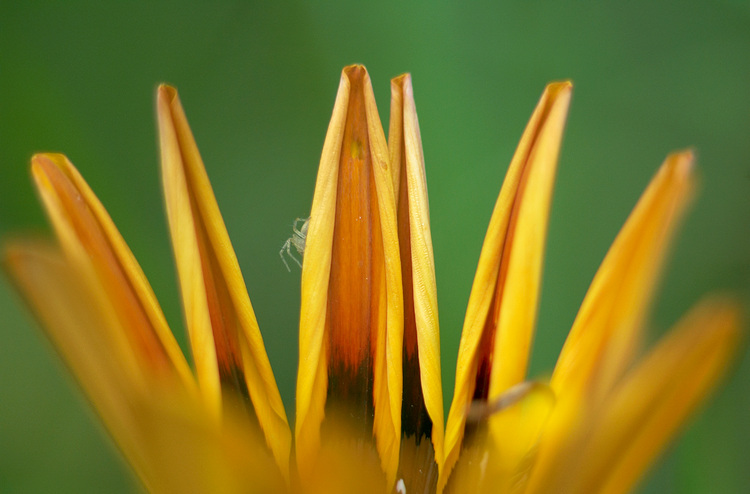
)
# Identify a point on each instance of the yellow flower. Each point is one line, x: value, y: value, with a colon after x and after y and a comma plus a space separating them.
x: 369, y: 410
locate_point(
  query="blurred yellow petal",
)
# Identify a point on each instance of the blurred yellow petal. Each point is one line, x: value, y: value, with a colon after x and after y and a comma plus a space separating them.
x: 227, y: 346
x: 351, y: 321
x: 657, y: 397
x: 92, y: 242
x: 608, y: 327
x: 188, y: 452
x: 422, y: 418
x: 491, y: 464
x: 342, y: 466
x: 500, y: 317
x: 162, y: 430
x: 83, y: 330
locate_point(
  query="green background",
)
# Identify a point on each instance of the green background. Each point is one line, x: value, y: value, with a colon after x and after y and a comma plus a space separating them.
x: 258, y: 84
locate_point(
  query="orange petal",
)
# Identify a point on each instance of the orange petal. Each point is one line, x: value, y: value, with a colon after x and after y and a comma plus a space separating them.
x: 422, y: 414
x: 351, y: 321
x: 500, y: 317
x: 227, y: 346
x: 93, y: 244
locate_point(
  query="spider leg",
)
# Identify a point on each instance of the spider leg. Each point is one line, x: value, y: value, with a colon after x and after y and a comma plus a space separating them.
x: 287, y: 246
x: 293, y: 257
x: 296, y: 230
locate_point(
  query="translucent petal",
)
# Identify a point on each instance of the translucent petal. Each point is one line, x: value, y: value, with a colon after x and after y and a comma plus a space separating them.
x: 608, y: 327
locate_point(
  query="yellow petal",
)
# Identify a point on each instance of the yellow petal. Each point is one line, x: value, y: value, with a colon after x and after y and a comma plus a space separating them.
x: 516, y: 434
x: 607, y: 330
x: 658, y: 396
x: 91, y: 241
x: 491, y: 464
x: 163, y: 431
x: 80, y: 325
x: 351, y: 320
x: 608, y: 327
x: 227, y: 346
x: 342, y: 466
x: 500, y: 317
x: 187, y: 452
x: 423, y: 395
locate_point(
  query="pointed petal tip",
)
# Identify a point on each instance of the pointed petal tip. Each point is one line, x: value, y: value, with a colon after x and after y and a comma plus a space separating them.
x: 403, y: 83
x: 354, y: 67
x: 559, y: 93
x: 37, y: 166
x: 40, y: 159
x: 166, y: 89
x: 679, y: 170
x: 401, y: 79
x: 560, y: 88
x: 729, y: 309
x: 682, y: 162
x: 44, y: 165
x: 37, y: 157
x: 166, y: 94
x: 355, y: 72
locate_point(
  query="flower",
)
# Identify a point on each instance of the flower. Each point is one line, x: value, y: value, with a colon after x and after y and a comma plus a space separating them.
x: 369, y: 410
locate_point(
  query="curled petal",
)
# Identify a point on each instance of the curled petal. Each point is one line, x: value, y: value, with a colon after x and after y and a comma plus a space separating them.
x: 229, y: 354
x: 491, y: 464
x: 351, y: 319
x: 500, y: 317
x: 422, y: 415
x: 94, y: 246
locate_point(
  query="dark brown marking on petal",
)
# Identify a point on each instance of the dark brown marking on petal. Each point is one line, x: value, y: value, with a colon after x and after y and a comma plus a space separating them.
x: 417, y: 466
x: 356, y: 276
x: 486, y: 348
x: 487, y: 342
x: 415, y: 421
x: 224, y: 327
x: 484, y: 358
x: 484, y: 366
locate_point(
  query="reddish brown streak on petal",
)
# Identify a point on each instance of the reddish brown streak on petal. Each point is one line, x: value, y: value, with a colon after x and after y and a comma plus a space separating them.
x: 415, y: 420
x: 487, y: 343
x: 120, y: 292
x: 417, y: 467
x: 224, y: 324
x: 356, y: 266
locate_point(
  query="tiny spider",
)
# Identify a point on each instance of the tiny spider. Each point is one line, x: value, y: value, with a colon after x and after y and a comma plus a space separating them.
x: 297, y: 240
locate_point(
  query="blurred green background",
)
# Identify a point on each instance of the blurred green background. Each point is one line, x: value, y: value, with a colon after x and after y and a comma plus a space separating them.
x: 258, y: 84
